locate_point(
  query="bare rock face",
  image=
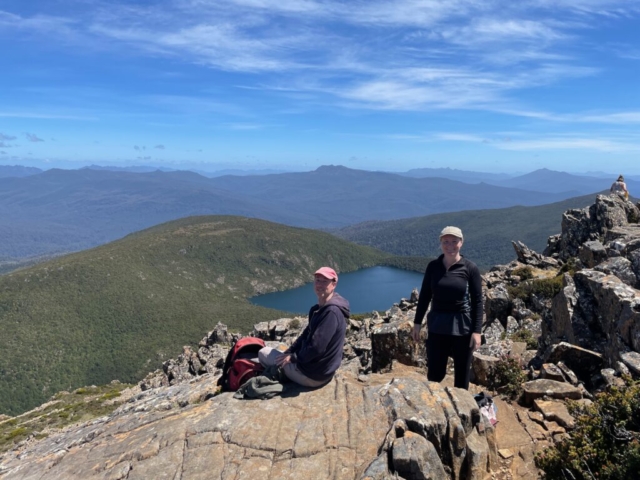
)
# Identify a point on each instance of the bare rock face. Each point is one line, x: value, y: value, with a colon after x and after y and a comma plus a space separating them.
x: 482, y: 367
x: 555, y: 411
x: 620, y: 267
x: 632, y: 361
x: 497, y: 304
x: 527, y: 256
x: 404, y: 427
x: 550, y: 388
x: 613, y: 308
x: 593, y: 223
x: 392, y: 341
x: 592, y: 253
x: 584, y: 363
x: 565, y: 324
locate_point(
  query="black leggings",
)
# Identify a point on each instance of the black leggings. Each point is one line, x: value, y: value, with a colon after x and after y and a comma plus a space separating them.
x: 440, y: 348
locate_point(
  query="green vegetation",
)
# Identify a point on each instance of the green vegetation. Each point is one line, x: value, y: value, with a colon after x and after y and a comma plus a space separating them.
x: 541, y: 287
x: 119, y: 310
x: 525, y: 273
x: 507, y: 377
x: 605, y: 443
x: 568, y: 267
x: 526, y: 336
x: 64, y: 409
x: 488, y: 233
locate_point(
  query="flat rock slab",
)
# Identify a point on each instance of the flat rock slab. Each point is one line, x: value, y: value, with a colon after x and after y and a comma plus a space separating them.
x: 509, y: 432
x: 550, y: 388
x: 555, y: 411
x: 336, y: 432
x: 632, y: 361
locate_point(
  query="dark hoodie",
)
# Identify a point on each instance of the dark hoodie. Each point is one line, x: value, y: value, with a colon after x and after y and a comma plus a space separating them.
x: 318, y: 350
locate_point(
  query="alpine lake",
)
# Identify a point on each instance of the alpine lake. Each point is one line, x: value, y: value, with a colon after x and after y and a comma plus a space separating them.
x: 369, y: 289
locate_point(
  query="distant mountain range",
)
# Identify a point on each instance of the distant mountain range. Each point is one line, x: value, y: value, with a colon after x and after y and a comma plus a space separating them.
x: 17, y: 171
x: 488, y: 233
x: 131, y: 169
x: 455, y: 174
x: 338, y: 196
x: 550, y: 181
x: 67, y: 210
x: 542, y: 180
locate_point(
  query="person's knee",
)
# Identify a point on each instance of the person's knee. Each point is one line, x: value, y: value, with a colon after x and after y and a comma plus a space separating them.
x: 263, y: 356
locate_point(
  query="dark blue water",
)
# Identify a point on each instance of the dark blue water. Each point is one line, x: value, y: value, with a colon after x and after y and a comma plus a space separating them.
x: 376, y: 288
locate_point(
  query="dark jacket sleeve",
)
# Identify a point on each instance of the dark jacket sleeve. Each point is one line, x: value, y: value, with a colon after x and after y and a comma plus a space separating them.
x: 295, y: 346
x: 475, y: 292
x: 316, y: 344
x: 425, y: 295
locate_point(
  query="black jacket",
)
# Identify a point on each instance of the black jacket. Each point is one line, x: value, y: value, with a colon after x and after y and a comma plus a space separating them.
x: 318, y: 349
x: 455, y: 296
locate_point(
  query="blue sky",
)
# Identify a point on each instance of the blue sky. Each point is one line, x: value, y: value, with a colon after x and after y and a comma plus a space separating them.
x: 294, y: 84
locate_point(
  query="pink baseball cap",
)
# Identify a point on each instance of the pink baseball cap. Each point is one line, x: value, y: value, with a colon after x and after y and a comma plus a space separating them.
x: 327, y: 272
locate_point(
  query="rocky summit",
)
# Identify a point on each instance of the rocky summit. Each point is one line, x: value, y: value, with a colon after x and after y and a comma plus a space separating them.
x: 567, y: 318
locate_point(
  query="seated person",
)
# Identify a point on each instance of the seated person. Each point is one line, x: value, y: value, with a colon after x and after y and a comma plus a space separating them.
x: 317, y: 353
x: 620, y: 188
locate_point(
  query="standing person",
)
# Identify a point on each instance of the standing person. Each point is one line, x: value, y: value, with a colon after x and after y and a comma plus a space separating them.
x: 316, y: 354
x: 620, y: 188
x: 453, y: 286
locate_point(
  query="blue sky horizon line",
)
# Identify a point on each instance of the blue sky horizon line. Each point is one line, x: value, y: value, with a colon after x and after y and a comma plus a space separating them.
x: 293, y: 85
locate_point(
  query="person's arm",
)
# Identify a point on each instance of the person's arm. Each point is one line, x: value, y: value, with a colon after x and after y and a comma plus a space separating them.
x: 295, y: 346
x: 475, y: 292
x: 317, y: 344
x: 423, y: 302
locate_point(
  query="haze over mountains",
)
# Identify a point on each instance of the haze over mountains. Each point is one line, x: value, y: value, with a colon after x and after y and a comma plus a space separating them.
x: 66, y: 210
x: 17, y: 171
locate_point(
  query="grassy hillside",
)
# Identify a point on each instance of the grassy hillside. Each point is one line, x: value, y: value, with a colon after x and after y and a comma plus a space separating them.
x: 116, y: 311
x: 488, y: 233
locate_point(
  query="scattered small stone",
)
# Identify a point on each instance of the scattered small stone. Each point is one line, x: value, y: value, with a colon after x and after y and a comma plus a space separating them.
x: 505, y: 453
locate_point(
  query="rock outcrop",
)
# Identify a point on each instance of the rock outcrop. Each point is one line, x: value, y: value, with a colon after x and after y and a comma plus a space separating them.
x: 389, y: 426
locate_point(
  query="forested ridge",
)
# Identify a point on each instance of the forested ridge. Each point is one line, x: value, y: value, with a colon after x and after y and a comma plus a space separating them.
x: 487, y: 233
x: 117, y: 311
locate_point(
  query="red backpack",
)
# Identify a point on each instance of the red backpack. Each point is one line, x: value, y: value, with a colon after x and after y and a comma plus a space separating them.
x: 241, y: 363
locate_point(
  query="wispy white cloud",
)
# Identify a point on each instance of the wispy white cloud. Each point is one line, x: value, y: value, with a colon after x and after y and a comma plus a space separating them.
x: 222, y: 46
x: 493, y: 30
x: 619, y: 118
x: 245, y: 126
x: 592, y: 144
x: 524, y: 141
x: 605, y: 8
x: 44, y: 116
x: 6, y: 137
x: 401, y: 55
x: 459, y: 137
